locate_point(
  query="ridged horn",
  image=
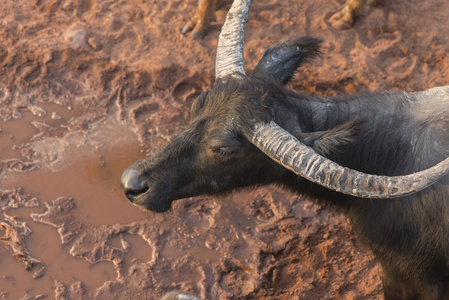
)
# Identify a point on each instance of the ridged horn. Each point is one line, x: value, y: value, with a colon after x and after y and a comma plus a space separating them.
x: 230, y: 42
x: 286, y: 150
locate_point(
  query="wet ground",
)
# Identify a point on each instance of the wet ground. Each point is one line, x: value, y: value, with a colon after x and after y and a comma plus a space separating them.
x: 89, y: 86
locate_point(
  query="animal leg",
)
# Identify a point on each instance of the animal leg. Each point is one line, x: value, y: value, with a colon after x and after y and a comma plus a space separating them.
x: 395, y: 289
x: 204, y: 15
x: 345, y: 18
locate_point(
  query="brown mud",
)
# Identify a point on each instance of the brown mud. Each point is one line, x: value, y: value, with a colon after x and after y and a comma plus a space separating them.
x: 89, y: 86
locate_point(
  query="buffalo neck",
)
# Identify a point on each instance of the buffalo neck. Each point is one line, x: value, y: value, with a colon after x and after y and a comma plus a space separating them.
x: 326, y: 113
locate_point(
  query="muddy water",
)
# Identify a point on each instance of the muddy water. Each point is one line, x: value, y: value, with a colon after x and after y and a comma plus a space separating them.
x: 86, y: 166
x: 94, y: 182
x: 17, y: 132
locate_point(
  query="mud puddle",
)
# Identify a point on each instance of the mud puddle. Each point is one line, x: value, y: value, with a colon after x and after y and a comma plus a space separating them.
x: 14, y: 133
x: 83, y: 166
x: 94, y: 183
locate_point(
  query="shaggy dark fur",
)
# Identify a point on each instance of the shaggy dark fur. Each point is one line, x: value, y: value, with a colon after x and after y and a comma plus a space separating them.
x: 381, y: 133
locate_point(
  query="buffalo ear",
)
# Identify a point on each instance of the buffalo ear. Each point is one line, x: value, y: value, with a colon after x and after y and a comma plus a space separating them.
x: 198, y: 104
x: 283, y: 59
x: 331, y: 141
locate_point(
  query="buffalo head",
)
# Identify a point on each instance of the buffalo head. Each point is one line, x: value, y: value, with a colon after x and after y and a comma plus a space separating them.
x: 248, y: 131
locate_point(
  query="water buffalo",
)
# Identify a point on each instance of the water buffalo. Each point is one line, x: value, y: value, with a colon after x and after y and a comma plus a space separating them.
x: 205, y: 14
x: 380, y: 158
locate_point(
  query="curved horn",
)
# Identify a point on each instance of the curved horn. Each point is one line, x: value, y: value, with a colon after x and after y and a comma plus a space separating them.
x: 286, y: 150
x: 230, y: 42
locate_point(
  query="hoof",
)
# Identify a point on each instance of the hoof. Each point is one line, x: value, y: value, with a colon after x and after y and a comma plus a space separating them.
x: 341, y: 20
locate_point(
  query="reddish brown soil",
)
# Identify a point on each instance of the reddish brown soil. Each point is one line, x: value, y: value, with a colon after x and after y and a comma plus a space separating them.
x: 78, y: 79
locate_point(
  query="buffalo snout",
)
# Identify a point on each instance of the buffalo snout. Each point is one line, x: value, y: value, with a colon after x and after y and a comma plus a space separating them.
x: 132, y: 184
x: 143, y: 191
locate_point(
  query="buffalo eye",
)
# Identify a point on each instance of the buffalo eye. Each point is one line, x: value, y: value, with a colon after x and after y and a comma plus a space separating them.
x: 223, y: 154
x: 223, y: 150
x: 224, y: 145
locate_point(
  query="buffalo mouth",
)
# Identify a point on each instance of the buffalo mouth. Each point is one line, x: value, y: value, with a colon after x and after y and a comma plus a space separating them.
x: 151, y: 204
x: 148, y: 203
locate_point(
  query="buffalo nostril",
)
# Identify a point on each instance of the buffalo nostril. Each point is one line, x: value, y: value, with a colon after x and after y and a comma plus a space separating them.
x: 131, y: 184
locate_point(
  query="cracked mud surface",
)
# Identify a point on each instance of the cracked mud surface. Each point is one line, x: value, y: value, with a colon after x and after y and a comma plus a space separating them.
x: 89, y: 86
